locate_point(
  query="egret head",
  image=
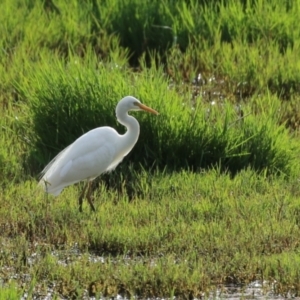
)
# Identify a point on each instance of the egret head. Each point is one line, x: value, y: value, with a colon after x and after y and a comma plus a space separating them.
x: 132, y: 103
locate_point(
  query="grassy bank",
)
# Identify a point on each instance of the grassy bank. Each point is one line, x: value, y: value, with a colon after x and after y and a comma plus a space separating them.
x: 184, y: 235
x: 208, y: 196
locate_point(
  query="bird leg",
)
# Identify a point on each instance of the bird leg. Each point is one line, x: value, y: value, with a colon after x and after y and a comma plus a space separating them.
x: 88, y: 196
x: 87, y: 186
x: 80, y: 200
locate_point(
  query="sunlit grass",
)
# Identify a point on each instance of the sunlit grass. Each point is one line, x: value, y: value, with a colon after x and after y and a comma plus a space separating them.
x: 64, y: 99
x: 250, y: 42
x: 210, y: 193
x: 10, y: 292
x: 186, y: 233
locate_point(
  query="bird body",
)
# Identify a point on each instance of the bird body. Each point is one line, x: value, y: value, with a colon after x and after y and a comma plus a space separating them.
x: 98, y: 151
x: 74, y: 164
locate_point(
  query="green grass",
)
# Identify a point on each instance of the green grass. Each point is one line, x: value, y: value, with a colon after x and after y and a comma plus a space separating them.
x: 210, y: 193
x: 10, y: 292
x: 62, y: 100
x: 187, y: 233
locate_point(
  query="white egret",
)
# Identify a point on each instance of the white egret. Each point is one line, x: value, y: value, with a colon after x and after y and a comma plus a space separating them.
x: 98, y: 151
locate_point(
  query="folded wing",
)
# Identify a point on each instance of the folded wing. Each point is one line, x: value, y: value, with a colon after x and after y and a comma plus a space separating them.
x: 89, y: 156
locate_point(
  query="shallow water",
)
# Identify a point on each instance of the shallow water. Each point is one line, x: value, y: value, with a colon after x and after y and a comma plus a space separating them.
x: 254, y: 290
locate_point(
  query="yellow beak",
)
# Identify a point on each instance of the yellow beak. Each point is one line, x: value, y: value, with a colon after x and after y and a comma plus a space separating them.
x: 146, y: 108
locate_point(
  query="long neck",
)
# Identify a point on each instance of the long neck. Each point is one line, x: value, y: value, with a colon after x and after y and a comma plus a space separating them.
x: 133, y: 129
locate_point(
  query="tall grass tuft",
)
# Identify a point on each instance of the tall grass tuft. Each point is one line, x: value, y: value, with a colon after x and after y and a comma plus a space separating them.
x: 13, y: 146
x: 68, y: 99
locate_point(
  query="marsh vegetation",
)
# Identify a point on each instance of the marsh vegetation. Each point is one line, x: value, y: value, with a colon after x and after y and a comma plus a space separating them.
x: 210, y: 193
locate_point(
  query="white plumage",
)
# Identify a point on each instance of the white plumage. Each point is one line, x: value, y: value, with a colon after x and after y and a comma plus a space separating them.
x: 97, y: 151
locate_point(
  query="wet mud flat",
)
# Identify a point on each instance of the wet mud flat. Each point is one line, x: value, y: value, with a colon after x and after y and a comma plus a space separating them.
x: 51, y: 289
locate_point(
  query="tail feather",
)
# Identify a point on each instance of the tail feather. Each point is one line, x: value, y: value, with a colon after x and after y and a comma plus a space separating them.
x: 55, y: 191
